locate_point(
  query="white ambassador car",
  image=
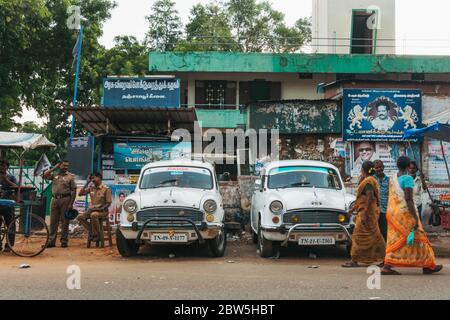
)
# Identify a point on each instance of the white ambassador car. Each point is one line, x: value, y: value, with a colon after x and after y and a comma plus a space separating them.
x: 175, y: 202
x: 304, y: 202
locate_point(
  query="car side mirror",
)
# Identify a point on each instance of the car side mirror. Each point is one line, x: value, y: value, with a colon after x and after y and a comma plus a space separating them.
x: 258, y: 184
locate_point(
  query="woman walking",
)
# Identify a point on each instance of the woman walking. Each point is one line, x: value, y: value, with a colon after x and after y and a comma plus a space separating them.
x: 403, y: 218
x: 368, y: 245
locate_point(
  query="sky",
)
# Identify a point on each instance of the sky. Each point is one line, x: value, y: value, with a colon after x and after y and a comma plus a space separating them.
x: 425, y: 21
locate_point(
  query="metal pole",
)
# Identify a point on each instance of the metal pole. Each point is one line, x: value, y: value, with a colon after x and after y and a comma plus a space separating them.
x: 72, y: 130
x: 445, y: 160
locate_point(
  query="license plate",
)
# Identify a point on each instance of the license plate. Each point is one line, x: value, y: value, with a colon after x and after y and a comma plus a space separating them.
x: 316, y: 241
x: 169, y: 238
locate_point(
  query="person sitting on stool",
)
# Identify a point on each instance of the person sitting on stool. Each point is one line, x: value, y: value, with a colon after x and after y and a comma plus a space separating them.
x: 101, y: 199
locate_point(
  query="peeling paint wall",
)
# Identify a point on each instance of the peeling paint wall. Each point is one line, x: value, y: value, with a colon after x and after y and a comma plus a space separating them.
x: 297, y: 117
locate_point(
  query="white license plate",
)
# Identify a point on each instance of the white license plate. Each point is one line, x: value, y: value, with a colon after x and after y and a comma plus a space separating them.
x: 316, y: 241
x: 169, y: 238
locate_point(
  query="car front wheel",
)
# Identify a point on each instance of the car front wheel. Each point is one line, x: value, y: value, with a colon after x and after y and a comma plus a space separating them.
x: 265, y: 246
x: 127, y: 248
x: 218, y: 245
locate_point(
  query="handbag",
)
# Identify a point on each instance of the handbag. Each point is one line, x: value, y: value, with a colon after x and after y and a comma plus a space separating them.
x: 435, y: 218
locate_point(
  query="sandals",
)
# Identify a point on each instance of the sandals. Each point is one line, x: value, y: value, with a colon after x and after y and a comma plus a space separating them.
x: 390, y: 273
x: 351, y: 264
x: 432, y: 271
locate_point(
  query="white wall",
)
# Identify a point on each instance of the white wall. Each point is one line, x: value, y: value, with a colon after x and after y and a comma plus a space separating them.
x: 333, y: 19
x: 292, y: 88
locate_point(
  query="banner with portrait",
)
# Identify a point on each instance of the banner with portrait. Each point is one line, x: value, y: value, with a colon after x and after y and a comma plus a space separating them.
x: 381, y: 114
x: 387, y: 152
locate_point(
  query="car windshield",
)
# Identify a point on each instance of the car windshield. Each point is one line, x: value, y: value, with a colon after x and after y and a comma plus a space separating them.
x: 303, y: 177
x: 180, y: 177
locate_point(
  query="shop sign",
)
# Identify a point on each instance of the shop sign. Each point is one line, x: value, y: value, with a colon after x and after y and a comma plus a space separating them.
x: 134, y: 92
x: 135, y: 155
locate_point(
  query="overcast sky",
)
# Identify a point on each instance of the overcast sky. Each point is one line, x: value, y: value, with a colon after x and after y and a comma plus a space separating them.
x: 416, y: 19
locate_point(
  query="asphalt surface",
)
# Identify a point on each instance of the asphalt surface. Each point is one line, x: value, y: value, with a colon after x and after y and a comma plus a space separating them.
x: 192, y: 274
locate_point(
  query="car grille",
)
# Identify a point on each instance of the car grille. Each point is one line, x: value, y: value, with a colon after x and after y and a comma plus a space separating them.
x: 168, y: 213
x: 314, y: 216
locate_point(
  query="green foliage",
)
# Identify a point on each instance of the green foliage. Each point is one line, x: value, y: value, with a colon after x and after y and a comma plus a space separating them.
x: 208, y: 30
x: 165, y: 26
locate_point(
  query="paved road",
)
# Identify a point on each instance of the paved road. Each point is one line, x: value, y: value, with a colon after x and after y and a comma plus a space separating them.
x: 192, y: 275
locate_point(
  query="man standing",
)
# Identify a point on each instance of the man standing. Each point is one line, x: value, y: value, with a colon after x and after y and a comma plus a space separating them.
x: 64, y: 191
x: 419, y: 186
x: 383, y: 181
x: 8, y: 184
x: 101, y: 199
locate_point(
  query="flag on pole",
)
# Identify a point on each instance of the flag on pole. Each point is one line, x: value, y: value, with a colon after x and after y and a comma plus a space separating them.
x: 42, y: 165
x: 76, y: 51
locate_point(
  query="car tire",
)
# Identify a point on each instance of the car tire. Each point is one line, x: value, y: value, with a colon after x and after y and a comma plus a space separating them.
x: 265, y: 246
x: 218, y: 245
x: 127, y: 248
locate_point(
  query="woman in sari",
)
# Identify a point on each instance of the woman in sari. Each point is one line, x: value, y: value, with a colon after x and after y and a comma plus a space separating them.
x: 368, y: 246
x: 402, y: 218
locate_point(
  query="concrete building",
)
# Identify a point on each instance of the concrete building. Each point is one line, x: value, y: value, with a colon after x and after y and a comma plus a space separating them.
x: 354, y: 26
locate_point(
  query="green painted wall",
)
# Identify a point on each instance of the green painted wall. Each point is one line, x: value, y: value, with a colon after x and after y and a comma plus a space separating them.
x: 307, y: 63
x: 220, y: 119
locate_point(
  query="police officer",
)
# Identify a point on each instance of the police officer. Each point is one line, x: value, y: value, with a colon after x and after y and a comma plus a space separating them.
x: 101, y: 199
x: 64, y: 191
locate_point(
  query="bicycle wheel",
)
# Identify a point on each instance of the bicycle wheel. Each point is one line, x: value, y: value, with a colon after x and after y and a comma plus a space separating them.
x: 3, y: 230
x: 31, y: 235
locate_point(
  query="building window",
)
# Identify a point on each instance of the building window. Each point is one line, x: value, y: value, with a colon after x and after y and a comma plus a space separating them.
x: 362, y: 39
x: 259, y: 90
x: 215, y: 94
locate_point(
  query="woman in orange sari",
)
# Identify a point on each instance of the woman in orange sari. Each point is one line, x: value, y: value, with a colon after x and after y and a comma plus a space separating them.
x: 368, y: 246
x: 402, y: 218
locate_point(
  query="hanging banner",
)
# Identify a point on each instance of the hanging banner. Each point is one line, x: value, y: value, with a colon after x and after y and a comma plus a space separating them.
x: 381, y: 115
x: 151, y: 93
x: 437, y: 172
x: 135, y: 155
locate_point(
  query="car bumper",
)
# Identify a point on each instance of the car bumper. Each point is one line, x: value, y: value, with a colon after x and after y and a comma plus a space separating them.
x: 199, y: 232
x: 292, y: 233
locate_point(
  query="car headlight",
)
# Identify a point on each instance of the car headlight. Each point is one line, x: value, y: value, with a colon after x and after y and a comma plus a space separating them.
x: 276, y: 207
x: 210, y: 206
x: 130, y: 206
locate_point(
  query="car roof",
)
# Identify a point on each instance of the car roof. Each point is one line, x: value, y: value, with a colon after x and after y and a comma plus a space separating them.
x: 290, y: 163
x: 180, y: 162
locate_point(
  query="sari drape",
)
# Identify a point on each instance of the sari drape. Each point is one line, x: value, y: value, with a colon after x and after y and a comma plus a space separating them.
x: 400, y: 224
x: 368, y: 245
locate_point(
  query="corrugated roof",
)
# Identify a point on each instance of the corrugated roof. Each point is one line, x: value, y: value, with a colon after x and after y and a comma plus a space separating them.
x: 101, y: 121
x: 220, y: 119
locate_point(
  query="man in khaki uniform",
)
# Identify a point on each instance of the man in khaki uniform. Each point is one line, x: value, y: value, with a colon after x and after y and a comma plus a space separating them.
x: 101, y: 199
x: 64, y: 191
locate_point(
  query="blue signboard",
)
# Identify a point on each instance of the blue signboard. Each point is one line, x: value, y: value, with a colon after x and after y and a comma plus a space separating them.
x: 381, y: 114
x: 135, y: 155
x: 151, y: 93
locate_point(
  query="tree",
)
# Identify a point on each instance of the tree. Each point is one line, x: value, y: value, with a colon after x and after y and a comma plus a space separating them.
x: 258, y: 27
x: 165, y: 26
x: 36, y: 57
x: 208, y: 30
x: 128, y: 58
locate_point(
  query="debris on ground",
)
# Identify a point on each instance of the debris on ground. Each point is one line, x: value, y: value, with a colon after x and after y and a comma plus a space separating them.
x: 312, y: 255
x: 171, y: 256
x: 24, y: 266
x: 313, y: 267
x: 231, y: 261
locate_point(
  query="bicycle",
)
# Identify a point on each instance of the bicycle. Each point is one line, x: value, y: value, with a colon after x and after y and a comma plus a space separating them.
x: 30, y: 231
